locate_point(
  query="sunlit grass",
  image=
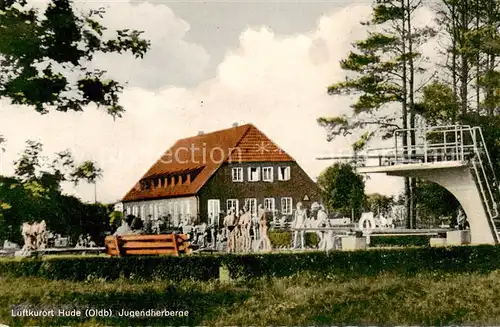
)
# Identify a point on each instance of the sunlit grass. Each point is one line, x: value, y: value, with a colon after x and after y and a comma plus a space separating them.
x: 386, y: 299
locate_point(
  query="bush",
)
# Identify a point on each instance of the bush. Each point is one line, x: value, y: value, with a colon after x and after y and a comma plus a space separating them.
x: 280, y: 239
x: 284, y: 239
x: 414, y: 240
x: 365, y: 263
x: 403, y: 261
x: 141, y: 267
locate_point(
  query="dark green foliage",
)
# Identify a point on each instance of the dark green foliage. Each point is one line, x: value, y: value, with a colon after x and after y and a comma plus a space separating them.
x: 284, y: 239
x: 416, y: 240
x: 137, y: 268
x: 64, y: 214
x: 35, y: 194
x: 376, y: 202
x: 63, y: 38
x: 343, y: 188
x: 280, y: 239
x: 439, y: 105
x: 490, y: 126
x: 409, y: 261
x: 435, y: 199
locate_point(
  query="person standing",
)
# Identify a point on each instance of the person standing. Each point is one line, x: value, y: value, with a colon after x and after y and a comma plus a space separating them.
x: 322, y: 218
x: 298, y: 222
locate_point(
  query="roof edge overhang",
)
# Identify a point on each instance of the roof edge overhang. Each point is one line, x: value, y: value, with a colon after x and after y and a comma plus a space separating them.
x: 160, y: 198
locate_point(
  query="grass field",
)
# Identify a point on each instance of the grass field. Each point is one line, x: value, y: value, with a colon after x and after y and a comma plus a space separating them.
x: 386, y: 299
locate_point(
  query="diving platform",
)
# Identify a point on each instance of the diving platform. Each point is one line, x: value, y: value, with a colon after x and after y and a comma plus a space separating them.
x: 405, y: 169
x: 455, y: 157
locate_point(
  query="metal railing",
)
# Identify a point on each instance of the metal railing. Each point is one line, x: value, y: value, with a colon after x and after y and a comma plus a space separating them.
x: 461, y: 143
x: 486, y: 179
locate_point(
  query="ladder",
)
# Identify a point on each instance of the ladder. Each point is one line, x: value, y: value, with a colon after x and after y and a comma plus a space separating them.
x: 486, y: 181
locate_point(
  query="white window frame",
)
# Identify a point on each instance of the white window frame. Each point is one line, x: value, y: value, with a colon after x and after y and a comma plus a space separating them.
x: 237, y: 174
x: 270, y: 171
x: 286, y: 206
x: 272, y: 207
x: 257, y: 169
x: 251, y: 204
x: 286, y: 175
x: 213, y: 211
x: 233, y: 203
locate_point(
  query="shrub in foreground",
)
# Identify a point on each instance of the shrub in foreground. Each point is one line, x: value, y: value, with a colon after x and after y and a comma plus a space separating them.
x: 414, y: 240
x: 140, y: 267
x: 283, y: 239
x: 403, y: 261
x: 407, y: 261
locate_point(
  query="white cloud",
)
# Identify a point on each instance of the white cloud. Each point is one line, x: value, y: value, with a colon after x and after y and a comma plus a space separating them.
x: 276, y: 82
x: 171, y: 60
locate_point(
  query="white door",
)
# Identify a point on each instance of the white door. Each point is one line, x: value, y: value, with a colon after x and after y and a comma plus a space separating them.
x: 251, y: 205
x: 269, y: 205
x: 213, y: 211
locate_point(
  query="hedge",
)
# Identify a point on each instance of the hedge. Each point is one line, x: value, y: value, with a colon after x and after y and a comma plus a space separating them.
x: 414, y: 240
x: 407, y: 261
x: 350, y: 264
x: 282, y: 239
x: 140, y: 267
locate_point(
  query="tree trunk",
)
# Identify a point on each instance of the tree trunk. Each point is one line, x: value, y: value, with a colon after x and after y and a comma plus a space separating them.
x: 492, y: 21
x: 464, y: 60
x: 404, y: 117
x: 411, y: 104
x: 478, y: 59
x: 454, y: 36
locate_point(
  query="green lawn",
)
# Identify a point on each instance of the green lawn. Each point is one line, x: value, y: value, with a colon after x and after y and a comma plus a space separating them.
x: 387, y: 299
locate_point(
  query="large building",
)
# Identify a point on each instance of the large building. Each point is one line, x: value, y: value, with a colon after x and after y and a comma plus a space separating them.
x: 204, y: 176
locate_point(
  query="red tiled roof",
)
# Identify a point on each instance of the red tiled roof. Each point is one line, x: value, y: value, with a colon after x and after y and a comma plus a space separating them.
x: 204, y: 154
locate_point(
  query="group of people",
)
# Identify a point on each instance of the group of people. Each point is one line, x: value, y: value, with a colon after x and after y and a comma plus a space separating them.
x: 238, y: 231
x: 35, y: 236
x: 317, y: 219
x: 131, y: 225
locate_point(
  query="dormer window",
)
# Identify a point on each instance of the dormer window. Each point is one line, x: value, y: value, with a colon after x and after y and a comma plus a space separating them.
x: 283, y: 173
x: 254, y: 174
x: 267, y: 174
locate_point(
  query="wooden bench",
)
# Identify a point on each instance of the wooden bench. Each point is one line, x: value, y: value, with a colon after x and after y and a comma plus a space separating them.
x: 171, y: 244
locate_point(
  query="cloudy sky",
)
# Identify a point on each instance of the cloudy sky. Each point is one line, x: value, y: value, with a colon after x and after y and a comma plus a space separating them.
x: 211, y: 64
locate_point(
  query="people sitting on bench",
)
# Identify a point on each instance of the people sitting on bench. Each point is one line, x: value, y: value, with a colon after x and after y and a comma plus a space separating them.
x: 125, y: 229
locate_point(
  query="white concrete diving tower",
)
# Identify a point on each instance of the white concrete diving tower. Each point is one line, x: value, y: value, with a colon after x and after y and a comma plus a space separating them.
x: 456, y: 158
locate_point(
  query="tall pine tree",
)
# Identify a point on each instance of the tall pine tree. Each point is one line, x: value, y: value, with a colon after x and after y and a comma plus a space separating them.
x: 385, y: 67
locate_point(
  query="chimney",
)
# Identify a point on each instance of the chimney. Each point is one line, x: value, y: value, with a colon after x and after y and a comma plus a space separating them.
x: 235, y: 124
x: 200, y: 133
